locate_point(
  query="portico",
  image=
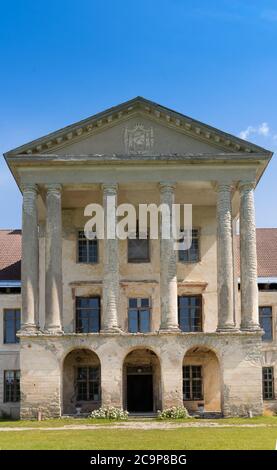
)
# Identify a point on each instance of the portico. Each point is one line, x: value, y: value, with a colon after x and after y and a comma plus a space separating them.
x: 112, y: 296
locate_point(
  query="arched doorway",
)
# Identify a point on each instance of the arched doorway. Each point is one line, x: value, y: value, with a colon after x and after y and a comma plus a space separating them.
x: 81, y: 382
x: 201, y: 380
x: 142, y: 381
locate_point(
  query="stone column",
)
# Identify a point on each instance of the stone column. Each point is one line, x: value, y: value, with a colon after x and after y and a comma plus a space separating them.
x: 53, y: 259
x: 110, y: 261
x: 30, y: 258
x: 225, y: 273
x: 248, y: 259
x: 168, y: 268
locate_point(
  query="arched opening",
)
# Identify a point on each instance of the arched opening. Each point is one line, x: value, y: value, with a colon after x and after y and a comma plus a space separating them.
x: 81, y: 382
x: 142, y: 382
x: 201, y: 380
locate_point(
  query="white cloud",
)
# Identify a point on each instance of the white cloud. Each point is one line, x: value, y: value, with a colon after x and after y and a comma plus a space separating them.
x: 262, y: 129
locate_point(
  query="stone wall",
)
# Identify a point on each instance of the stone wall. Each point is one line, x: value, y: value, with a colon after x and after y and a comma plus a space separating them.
x: 238, y: 355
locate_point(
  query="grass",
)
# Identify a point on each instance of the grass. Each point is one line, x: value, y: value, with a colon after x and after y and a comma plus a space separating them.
x: 270, y: 420
x: 114, y: 439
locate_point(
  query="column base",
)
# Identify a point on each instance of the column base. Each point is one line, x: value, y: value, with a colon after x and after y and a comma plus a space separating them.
x: 228, y: 328
x: 53, y: 330
x: 28, y: 328
x: 112, y: 329
x: 250, y: 327
x: 170, y: 329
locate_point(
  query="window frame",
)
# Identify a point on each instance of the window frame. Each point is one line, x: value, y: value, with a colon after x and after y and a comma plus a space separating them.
x: 138, y: 260
x: 268, y: 382
x: 16, y: 311
x: 189, y: 261
x: 200, y: 330
x: 87, y: 308
x: 88, y: 381
x: 78, y: 238
x: 191, y: 380
x: 15, y: 389
x: 138, y: 309
x: 271, y: 317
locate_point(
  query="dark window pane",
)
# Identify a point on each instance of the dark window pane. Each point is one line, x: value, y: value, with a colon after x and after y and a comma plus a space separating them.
x: 190, y: 255
x: 138, y: 250
x: 144, y: 321
x: 11, y: 385
x: 190, y: 313
x: 133, y: 321
x: 133, y: 303
x: 88, y: 384
x: 192, y: 383
x: 11, y: 325
x: 268, y: 383
x: 87, y: 314
x: 87, y: 249
x: 265, y: 314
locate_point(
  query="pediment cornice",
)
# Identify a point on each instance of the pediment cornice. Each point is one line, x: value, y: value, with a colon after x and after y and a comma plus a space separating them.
x: 101, y: 121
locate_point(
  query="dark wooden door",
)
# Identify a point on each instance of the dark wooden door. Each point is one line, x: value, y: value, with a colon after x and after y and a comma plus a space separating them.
x: 140, y: 393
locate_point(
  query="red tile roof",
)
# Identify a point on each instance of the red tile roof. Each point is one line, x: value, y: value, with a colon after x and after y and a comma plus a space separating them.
x: 10, y: 255
x: 267, y: 252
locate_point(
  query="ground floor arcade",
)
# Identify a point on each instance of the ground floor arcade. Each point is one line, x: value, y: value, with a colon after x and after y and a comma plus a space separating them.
x: 219, y: 371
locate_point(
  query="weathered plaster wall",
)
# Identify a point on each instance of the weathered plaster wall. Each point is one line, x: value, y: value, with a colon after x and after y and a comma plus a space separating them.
x: 238, y: 356
x: 9, y: 353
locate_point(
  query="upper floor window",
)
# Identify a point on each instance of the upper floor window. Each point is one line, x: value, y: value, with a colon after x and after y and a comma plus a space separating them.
x: 192, y: 383
x: 139, y: 249
x: 190, y: 312
x: 265, y: 315
x: 192, y: 254
x: 11, y: 325
x: 88, y: 383
x: 87, y: 249
x: 268, y: 383
x: 87, y: 314
x: 139, y: 316
x: 11, y: 385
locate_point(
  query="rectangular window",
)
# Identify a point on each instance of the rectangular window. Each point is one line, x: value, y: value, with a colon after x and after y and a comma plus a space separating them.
x: 11, y: 385
x: 88, y: 384
x: 139, y: 316
x: 87, y: 314
x: 265, y: 314
x: 192, y: 383
x: 11, y: 325
x: 268, y: 383
x: 190, y: 312
x: 87, y: 249
x: 139, y: 248
x: 192, y: 254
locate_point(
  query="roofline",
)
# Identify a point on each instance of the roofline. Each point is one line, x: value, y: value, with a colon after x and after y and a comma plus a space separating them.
x: 128, y: 104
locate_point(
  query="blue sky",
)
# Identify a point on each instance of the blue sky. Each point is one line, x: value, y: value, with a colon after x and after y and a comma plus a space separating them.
x: 64, y: 60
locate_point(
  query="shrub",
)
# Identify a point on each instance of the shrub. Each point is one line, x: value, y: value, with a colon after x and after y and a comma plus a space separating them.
x: 175, y: 412
x: 109, y: 412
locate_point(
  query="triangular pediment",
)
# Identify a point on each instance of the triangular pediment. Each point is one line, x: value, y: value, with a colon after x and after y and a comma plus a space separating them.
x: 137, y: 127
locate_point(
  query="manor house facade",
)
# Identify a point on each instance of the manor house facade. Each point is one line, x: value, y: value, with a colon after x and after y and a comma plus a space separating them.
x: 134, y: 323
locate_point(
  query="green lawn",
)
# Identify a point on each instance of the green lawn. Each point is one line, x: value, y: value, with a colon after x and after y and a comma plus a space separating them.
x: 271, y: 420
x: 183, y: 439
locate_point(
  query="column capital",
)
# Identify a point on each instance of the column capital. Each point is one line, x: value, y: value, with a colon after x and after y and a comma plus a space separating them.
x: 30, y: 188
x: 224, y: 186
x: 53, y: 188
x: 109, y: 188
x: 247, y: 185
x: 167, y: 186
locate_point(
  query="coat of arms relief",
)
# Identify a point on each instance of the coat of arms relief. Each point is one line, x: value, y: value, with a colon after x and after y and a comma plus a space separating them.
x: 138, y: 140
